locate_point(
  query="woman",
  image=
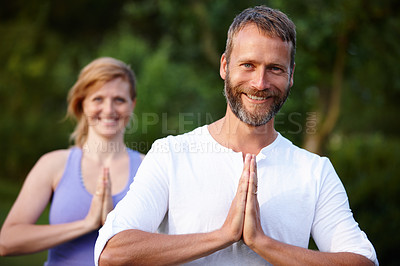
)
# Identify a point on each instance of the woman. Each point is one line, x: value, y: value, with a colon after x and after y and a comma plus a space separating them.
x: 84, y: 182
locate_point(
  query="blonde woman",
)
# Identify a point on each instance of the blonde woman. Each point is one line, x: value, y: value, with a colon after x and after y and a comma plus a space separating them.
x: 83, y: 182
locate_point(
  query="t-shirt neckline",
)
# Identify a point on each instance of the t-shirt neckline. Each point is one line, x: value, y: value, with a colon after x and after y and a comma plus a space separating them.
x: 205, y: 131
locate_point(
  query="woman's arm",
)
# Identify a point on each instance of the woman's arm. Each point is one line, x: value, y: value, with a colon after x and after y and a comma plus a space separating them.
x: 20, y: 234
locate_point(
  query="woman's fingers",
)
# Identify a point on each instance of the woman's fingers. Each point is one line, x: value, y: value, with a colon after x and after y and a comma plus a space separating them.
x: 107, y: 199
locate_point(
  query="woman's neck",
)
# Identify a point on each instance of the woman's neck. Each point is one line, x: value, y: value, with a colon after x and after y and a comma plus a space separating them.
x: 103, y: 150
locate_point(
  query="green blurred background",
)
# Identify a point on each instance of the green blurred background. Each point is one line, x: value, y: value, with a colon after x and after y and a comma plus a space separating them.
x: 344, y: 103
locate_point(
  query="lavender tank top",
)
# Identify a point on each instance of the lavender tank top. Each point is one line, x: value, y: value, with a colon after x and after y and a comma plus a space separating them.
x: 71, y: 202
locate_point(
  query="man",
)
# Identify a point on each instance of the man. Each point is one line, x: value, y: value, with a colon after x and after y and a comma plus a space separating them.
x: 236, y: 192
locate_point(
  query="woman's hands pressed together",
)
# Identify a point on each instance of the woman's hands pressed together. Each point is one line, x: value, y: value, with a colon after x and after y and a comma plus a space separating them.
x: 102, y: 202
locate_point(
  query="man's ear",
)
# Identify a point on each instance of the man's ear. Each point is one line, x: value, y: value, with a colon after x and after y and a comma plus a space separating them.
x: 291, y: 76
x: 222, y: 67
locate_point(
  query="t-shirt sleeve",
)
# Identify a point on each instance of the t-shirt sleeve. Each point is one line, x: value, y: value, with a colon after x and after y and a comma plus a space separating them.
x: 146, y: 202
x: 334, y: 228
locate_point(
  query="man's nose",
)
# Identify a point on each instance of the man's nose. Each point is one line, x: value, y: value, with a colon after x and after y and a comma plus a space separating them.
x: 260, y: 79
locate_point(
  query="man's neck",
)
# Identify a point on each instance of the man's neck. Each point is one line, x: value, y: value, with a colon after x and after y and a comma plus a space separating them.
x: 232, y: 133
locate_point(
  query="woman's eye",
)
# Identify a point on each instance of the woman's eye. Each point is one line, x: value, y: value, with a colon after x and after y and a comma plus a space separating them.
x: 97, y: 99
x: 120, y: 100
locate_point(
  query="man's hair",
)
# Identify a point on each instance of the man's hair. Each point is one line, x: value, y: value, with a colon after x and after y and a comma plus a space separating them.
x: 91, y: 78
x: 271, y: 22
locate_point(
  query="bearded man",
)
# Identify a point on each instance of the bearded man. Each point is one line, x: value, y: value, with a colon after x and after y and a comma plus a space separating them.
x: 253, y: 198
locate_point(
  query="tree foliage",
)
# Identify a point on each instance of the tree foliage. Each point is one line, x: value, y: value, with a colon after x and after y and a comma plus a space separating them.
x: 343, y: 103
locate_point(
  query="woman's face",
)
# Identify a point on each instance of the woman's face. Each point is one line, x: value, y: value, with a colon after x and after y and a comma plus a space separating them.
x: 109, y: 108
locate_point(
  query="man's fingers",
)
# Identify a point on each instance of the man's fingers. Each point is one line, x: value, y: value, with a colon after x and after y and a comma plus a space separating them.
x: 253, y: 180
x: 244, y: 179
x: 246, y: 164
x: 252, y: 225
x: 253, y: 189
x: 252, y: 201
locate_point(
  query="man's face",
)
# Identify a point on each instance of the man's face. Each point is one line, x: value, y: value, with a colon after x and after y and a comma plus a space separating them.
x: 258, y: 77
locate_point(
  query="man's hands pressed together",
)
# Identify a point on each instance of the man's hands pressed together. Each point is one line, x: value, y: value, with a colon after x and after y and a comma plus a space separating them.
x: 252, y: 225
x: 243, y: 220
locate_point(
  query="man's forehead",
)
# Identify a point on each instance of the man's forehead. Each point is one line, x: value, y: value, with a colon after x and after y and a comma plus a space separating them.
x: 252, y: 28
x: 253, y: 45
x: 251, y: 35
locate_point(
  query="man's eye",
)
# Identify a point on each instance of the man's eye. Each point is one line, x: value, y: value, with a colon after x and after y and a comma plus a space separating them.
x: 97, y: 99
x: 277, y: 70
x: 247, y: 65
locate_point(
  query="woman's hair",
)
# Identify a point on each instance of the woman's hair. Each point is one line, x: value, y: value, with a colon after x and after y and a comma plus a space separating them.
x: 270, y: 21
x: 92, y: 77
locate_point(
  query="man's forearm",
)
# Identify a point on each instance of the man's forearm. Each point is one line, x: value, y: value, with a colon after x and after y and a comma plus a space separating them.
x: 138, y: 247
x: 278, y: 253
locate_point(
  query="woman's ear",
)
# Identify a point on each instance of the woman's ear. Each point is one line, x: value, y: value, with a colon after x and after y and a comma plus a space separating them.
x: 133, y: 105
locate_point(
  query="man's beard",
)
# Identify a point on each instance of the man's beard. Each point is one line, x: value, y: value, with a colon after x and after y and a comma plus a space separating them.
x: 260, y: 116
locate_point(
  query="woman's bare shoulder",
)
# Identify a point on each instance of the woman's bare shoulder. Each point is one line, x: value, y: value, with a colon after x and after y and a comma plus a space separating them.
x: 53, y: 162
x: 50, y: 166
x: 55, y: 157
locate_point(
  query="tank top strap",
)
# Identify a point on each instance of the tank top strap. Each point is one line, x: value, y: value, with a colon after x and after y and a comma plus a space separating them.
x: 135, y: 161
x: 72, y: 172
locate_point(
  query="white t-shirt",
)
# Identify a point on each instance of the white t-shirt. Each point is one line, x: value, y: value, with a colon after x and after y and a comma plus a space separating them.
x: 186, y: 184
